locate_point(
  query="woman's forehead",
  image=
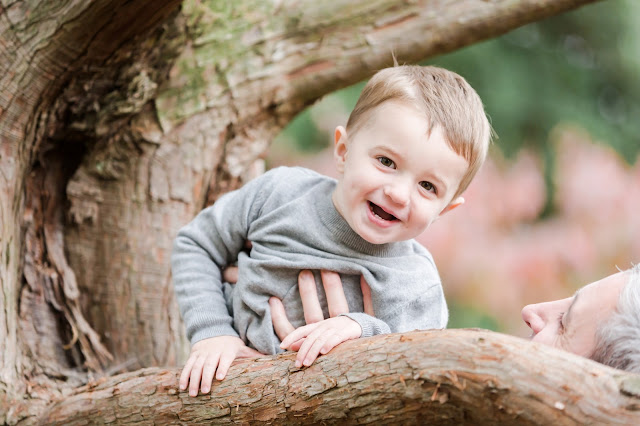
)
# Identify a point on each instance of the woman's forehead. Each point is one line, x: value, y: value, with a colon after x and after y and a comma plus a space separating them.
x: 596, y: 300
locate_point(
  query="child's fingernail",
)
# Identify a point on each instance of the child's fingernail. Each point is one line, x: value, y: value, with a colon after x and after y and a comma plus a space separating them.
x: 307, y: 362
x: 193, y: 393
x: 298, y: 364
x: 205, y: 390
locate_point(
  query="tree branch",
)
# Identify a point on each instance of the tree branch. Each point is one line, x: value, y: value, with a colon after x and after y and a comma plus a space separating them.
x: 429, y: 377
x: 288, y: 57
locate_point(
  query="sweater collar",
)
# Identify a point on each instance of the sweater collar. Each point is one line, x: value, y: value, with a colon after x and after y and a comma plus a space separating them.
x: 343, y: 233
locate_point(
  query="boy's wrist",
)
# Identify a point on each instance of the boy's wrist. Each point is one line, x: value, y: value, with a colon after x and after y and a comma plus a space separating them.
x: 360, y: 327
x: 208, y: 333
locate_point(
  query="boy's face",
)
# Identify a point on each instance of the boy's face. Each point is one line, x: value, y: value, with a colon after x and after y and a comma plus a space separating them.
x: 395, y: 177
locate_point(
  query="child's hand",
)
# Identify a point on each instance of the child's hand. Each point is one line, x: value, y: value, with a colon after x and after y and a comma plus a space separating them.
x: 321, y: 337
x: 211, y: 357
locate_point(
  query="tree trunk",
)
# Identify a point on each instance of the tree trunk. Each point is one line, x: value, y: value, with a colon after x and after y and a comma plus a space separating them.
x: 120, y: 119
x: 450, y: 377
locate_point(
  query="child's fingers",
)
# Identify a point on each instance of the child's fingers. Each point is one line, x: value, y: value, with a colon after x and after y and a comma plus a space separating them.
x: 297, y: 334
x: 186, y: 372
x: 302, y: 352
x: 309, y: 342
x: 309, y: 296
x: 332, y: 342
x: 314, y: 350
x: 336, y: 300
x: 196, y: 374
x: 208, y: 372
x: 281, y: 324
x: 295, y: 346
x: 366, y: 296
x: 225, y: 362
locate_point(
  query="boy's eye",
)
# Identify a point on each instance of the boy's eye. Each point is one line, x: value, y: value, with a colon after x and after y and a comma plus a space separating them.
x: 428, y: 186
x: 386, y: 162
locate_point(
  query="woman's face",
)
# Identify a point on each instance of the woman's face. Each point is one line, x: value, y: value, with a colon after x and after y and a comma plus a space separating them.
x: 571, y: 323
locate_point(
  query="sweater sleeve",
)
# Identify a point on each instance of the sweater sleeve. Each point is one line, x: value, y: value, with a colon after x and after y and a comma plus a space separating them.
x: 424, y: 311
x: 371, y: 326
x: 203, y: 248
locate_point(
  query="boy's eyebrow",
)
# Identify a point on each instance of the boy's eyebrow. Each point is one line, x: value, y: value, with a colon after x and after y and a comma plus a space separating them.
x: 441, y: 183
x: 389, y: 150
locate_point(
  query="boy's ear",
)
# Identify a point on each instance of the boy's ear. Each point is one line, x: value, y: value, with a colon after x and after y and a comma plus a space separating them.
x: 452, y: 205
x: 340, y: 147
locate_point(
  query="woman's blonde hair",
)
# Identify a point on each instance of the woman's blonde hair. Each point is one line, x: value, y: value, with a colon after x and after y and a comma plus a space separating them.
x: 445, y: 98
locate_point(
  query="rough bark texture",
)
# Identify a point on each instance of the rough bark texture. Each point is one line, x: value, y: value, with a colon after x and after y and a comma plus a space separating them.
x: 120, y: 119
x: 451, y: 377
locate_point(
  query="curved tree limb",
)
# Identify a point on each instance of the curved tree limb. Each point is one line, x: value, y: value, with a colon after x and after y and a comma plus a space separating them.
x: 284, y: 58
x: 424, y: 377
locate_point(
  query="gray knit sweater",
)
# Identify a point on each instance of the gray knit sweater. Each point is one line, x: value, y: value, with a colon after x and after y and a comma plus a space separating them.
x: 289, y: 217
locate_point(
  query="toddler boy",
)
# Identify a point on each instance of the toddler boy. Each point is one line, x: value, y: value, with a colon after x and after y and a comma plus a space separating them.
x: 414, y: 141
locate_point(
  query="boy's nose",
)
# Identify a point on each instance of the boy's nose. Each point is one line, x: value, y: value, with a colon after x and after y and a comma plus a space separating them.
x: 398, y: 192
x: 532, y: 318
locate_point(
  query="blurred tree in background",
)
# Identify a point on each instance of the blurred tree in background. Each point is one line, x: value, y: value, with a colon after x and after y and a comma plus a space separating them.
x: 578, y: 67
x: 545, y: 86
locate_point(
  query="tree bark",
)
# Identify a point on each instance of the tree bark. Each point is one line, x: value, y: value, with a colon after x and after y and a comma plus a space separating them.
x: 450, y: 377
x: 120, y: 119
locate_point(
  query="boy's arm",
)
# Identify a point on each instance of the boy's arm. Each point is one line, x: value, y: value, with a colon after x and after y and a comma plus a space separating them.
x: 200, y: 251
x: 204, y: 246
x: 370, y: 325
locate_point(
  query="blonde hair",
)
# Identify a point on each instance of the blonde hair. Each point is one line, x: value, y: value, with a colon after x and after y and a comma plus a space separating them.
x: 445, y: 98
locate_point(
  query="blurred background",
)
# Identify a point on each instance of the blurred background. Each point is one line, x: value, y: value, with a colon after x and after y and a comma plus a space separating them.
x: 557, y: 204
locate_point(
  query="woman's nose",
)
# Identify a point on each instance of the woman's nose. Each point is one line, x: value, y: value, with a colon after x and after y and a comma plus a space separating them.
x: 531, y: 316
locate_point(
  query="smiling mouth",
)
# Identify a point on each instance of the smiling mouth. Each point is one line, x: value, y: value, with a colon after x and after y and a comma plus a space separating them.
x: 378, y: 211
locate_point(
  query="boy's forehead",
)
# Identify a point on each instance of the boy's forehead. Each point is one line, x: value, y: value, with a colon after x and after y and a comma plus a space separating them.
x: 379, y: 116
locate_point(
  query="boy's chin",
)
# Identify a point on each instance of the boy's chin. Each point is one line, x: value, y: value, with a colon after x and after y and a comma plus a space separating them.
x: 377, y: 239
x: 385, y: 239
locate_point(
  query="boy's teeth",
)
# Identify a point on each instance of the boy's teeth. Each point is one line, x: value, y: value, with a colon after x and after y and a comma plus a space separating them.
x: 379, y: 212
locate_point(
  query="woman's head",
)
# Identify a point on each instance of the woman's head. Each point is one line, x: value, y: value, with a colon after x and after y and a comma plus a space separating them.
x: 600, y: 321
x: 618, y: 338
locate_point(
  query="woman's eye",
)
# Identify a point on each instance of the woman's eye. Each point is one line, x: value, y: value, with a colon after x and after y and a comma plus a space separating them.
x: 386, y: 162
x: 560, y: 324
x: 428, y: 186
